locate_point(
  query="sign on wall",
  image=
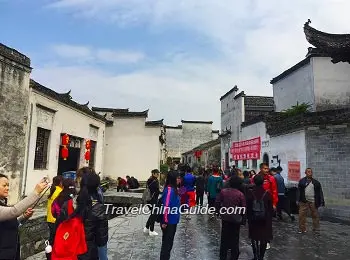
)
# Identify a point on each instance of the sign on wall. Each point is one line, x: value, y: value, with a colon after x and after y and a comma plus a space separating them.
x: 247, y: 149
x: 294, y: 170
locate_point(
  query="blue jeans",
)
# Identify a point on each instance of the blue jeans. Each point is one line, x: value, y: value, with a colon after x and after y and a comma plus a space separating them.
x: 102, y: 253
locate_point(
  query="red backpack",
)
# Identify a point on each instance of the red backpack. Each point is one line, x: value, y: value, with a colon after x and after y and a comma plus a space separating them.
x: 69, y: 239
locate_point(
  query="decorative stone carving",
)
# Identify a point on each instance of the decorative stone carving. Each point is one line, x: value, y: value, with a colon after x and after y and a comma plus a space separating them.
x: 44, y: 118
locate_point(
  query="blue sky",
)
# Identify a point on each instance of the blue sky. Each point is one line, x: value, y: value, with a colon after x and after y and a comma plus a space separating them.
x: 175, y: 58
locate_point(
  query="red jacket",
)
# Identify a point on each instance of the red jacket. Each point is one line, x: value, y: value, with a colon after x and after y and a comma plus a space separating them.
x: 270, y: 186
x: 122, y: 182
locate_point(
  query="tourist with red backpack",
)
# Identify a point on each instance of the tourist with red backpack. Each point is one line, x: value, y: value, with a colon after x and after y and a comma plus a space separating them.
x: 69, y: 235
x: 90, y: 206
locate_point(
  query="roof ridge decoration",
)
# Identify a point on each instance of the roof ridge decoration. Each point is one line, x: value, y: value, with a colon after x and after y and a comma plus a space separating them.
x: 66, y: 95
x: 337, y: 46
x: 234, y: 89
x: 241, y: 94
x: 86, y: 105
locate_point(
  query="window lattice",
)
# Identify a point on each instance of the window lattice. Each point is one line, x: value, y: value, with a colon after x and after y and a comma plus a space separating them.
x: 41, y: 149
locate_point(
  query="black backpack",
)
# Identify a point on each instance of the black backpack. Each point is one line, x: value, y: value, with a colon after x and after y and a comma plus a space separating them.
x: 258, y: 209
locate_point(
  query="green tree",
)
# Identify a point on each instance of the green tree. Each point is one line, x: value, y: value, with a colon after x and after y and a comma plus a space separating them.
x: 297, y: 109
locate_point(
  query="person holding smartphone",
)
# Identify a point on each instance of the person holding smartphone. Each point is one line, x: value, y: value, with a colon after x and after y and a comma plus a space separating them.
x: 10, y: 218
x: 7, y: 212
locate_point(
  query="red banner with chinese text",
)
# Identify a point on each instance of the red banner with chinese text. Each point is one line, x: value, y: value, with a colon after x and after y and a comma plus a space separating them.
x: 247, y: 149
x: 294, y: 170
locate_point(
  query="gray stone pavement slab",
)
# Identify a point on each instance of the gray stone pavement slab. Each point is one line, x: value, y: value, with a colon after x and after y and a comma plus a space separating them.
x: 199, y: 238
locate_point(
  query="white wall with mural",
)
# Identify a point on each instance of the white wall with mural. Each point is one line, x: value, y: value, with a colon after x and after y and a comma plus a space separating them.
x: 289, y: 148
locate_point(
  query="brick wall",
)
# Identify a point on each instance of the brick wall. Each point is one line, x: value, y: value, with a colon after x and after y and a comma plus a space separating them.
x: 328, y: 153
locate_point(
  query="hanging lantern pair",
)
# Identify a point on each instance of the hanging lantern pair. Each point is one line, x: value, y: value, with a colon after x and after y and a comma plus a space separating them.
x: 65, y: 142
x: 87, y: 153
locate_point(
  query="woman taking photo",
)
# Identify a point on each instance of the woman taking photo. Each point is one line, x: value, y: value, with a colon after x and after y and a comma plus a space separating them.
x: 171, y: 216
x: 8, y: 212
x: 9, y: 235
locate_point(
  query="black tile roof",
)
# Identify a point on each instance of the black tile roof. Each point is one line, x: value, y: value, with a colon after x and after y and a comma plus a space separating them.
x: 336, y: 45
x: 108, y: 109
x: 258, y: 101
x: 310, y: 54
x: 66, y: 99
x: 257, y: 119
x: 173, y: 127
x: 14, y: 55
x: 154, y: 123
x: 241, y: 94
x: 123, y: 113
x: 196, y: 122
x: 204, y: 146
x: 280, y: 123
x: 225, y: 133
x: 235, y: 88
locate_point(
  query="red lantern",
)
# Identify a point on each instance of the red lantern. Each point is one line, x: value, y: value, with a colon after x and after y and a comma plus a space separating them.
x: 64, y: 153
x: 65, y: 139
x: 88, y: 144
x: 198, y: 154
x: 87, y: 155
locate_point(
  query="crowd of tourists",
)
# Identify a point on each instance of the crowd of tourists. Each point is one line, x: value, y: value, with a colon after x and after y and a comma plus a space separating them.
x: 261, y: 194
x: 78, y: 224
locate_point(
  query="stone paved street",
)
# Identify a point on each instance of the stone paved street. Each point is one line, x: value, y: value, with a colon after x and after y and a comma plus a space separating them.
x: 198, y: 238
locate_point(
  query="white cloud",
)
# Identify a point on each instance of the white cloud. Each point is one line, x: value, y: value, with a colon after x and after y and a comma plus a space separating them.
x: 85, y: 53
x: 271, y: 27
x: 120, y: 57
x: 259, y: 40
x: 72, y: 52
x: 170, y: 91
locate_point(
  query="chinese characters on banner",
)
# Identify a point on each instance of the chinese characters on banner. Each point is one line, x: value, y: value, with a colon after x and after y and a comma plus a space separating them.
x: 294, y: 170
x: 247, y: 149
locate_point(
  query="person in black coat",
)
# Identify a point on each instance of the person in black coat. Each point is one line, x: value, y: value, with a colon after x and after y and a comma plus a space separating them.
x: 9, y: 229
x: 310, y: 198
x: 260, y: 230
x: 90, y: 206
x: 153, y: 186
x: 200, y: 189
